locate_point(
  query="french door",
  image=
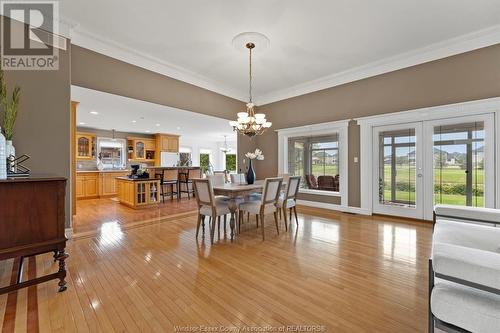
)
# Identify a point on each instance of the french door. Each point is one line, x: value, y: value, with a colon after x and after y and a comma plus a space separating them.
x: 445, y: 161
x: 397, y: 172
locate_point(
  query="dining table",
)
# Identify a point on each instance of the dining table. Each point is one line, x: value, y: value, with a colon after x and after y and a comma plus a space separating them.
x: 234, y: 191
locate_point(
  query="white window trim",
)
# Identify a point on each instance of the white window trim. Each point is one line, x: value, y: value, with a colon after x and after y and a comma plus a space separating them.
x: 471, y: 108
x: 334, y: 127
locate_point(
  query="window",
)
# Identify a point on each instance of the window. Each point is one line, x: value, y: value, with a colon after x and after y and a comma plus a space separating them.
x: 185, y: 158
x: 316, y: 159
x: 111, y: 153
x: 231, y: 162
x: 204, y: 161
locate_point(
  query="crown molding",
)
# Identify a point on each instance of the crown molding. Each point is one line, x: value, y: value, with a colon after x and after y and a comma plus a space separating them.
x: 447, y: 48
x: 110, y: 48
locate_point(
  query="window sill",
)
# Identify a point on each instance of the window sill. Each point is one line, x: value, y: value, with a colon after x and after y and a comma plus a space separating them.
x: 320, y: 192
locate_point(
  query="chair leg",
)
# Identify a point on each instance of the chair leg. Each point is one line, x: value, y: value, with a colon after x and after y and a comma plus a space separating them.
x: 198, y: 225
x: 171, y: 191
x: 257, y: 219
x: 262, y: 226
x: 187, y: 190
x: 281, y: 213
x: 248, y: 217
x: 212, y: 230
x: 290, y: 214
x: 284, y: 216
x: 295, y: 212
x: 225, y: 219
x: 276, y: 222
x: 218, y: 227
x: 203, y: 223
x: 240, y: 217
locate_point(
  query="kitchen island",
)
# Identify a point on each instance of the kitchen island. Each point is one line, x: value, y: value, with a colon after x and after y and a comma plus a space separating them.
x: 138, y: 193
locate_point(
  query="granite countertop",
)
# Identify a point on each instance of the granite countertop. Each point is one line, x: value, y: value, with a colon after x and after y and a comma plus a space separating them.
x: 172, y: 168
x: 103, y: 171
x: 137, y: 179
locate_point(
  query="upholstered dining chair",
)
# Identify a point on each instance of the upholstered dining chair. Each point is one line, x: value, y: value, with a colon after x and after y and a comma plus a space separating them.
x: 265, y: 206
x: 238, y: 178
x: 208, y: 205
x: 288, y: 199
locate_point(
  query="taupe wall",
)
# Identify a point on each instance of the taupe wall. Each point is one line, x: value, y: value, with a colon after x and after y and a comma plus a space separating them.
x: 468, y: 76
x: 42, y: 129
x: 99, y: 72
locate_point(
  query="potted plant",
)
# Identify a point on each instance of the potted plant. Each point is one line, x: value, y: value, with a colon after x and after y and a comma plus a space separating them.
x: 10, y: 108
x: 257, y: 155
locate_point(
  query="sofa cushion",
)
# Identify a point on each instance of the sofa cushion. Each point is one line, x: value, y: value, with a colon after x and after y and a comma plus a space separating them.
x: 469, y: 235
x: 465, y: 307
x: 466, y: 263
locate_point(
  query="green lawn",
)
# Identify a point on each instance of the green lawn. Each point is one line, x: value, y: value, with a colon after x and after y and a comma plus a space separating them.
x: 329, y: 170
x: 446, y: 177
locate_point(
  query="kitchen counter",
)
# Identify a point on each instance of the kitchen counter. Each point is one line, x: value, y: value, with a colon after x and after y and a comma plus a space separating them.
x: 103, y: 171
x: 138, y: 193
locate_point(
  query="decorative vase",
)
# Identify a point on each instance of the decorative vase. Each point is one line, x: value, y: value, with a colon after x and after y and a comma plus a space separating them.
x: 100, y: 166
x: 9, y: 148
x: 250, y: 173
x: 10, y: 152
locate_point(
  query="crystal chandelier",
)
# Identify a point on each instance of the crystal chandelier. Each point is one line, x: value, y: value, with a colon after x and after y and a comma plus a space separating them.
x: 250, y: 123
x: 225, y: 149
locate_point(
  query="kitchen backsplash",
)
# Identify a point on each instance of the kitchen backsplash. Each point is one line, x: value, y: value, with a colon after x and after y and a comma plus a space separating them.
x: 86, y: 165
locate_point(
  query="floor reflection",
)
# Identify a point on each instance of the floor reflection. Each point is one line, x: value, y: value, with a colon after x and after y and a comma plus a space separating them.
x: 400, y: 242
x: 110, y: 233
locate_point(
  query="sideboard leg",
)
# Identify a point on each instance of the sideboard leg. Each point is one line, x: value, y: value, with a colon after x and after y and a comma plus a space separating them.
x: 61, y: 257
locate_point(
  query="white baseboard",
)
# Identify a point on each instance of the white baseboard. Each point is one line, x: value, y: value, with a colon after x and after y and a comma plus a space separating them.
x: 68, y: 232
x: 340, y: 208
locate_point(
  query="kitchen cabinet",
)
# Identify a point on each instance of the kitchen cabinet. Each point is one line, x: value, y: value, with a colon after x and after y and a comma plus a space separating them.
x: 167, y: 143
x: 91, y: 185
x: 85, y: 146
x: 138, y: 193
x: 141, y: 149
x: 107, y: 183
x: 87, y: 185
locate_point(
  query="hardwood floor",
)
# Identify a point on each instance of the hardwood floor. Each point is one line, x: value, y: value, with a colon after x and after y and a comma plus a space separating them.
x: 92, y: 214
x: 346, y: 273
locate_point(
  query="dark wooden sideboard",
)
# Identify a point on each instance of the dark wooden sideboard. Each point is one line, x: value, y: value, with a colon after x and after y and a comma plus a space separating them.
x: 31, y: 223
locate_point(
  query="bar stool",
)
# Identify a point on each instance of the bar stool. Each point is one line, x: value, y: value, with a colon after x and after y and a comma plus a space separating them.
x: 187, y: 180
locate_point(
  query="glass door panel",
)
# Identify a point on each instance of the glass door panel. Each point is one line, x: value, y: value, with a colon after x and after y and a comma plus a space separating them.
x: 459, y: 164
x: 398, y: 156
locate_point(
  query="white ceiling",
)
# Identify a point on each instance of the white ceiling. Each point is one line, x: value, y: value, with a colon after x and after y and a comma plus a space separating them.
x: 118, y: 113
x: 314, y: 44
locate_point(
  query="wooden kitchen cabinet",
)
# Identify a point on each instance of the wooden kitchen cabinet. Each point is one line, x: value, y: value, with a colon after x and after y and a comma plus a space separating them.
x: 141, y: 149
x: 108, y: 184
x: 167, y: 143
x: 91, y: 185
x: 85, y: 146
x: 87, y: 185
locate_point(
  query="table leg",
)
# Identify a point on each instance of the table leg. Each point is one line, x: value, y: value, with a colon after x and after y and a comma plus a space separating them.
x: 232, y: 208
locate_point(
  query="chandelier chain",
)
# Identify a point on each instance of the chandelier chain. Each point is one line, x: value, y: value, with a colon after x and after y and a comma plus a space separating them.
x: 250, y: 75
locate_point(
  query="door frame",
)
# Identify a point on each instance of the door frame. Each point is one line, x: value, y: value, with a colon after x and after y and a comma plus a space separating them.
x: 418, y: 211
x: 471, y: 108
x: 489, y: 156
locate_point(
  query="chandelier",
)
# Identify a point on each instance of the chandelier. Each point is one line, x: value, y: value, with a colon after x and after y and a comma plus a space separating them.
x: 250, y: 123
x: 225, y: 149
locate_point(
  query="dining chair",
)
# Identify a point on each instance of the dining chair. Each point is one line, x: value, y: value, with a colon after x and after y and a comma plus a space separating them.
x: 208, y: 205
x: 288, y: 199
x: 218, y: 179
x: 186, y: 179
x: 265, y: 206
x: 238, y: 178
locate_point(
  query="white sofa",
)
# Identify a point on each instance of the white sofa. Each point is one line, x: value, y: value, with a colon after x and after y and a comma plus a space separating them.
x: 464, y: 271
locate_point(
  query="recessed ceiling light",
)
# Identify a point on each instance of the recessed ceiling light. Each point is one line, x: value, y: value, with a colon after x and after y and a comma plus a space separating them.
x: 94, y: 112
x: 147, y: 131
x: 157, y: 125
x: 134, y: 121
x: 81, y: 123
x: 178, y: 128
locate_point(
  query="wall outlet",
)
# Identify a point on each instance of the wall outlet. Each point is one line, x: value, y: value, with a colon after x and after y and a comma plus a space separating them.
x: 356, y: 159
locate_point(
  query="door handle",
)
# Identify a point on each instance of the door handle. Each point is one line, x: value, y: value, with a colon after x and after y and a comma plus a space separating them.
x: 419, y: 175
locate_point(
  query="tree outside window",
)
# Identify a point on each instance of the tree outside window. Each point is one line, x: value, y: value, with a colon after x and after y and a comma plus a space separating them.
x: 204, y: 162
x: 231, y: 162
